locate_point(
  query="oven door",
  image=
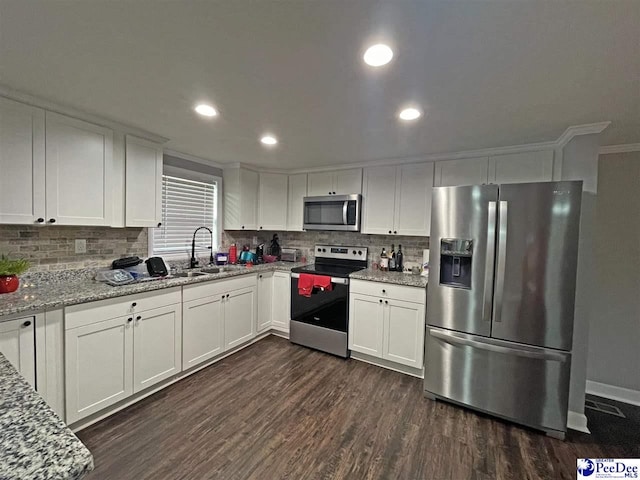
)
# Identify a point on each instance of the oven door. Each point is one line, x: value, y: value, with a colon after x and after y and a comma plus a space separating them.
x: 323, y: 309
x: 335, y: 212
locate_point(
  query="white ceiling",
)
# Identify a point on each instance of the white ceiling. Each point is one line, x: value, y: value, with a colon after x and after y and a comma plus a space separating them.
x: 487, y: 74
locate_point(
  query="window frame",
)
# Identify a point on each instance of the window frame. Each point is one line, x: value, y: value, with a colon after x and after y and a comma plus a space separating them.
x: 198, y: 177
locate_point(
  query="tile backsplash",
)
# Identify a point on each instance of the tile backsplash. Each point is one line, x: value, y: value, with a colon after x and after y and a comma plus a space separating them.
x: 53, y: 247
x: 411, y: 246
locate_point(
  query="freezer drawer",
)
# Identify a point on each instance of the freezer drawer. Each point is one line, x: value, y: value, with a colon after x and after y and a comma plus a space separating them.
x: 528, y: 385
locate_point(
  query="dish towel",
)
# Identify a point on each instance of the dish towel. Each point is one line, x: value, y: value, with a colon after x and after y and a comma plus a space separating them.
x: 323, y: 282
x: 305, y: 284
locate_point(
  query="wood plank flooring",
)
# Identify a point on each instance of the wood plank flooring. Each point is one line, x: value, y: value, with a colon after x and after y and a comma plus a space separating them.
x: 279, y: 411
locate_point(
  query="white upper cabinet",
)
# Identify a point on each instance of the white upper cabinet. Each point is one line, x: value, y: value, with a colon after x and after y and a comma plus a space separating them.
x: 469, y: 171
x: 397, y: 200
x: 272, y: 212
x: 340, y: 182
x: 522, y: 167
x: 79, y: 159
x: 22, y: 163
x: 295, y: 207
x: 413, y: 199
x: 143, y: 198
x: 240, y: 199
x: 379, y: 196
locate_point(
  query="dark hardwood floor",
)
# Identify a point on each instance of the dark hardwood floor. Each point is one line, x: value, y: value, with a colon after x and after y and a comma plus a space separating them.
x: 279, y: 411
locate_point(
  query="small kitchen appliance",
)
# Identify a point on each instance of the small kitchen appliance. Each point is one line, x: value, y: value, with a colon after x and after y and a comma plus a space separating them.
x: 320, y: 320
x: 290, y: 254
x: 222, y: 258
x: 332, y: 212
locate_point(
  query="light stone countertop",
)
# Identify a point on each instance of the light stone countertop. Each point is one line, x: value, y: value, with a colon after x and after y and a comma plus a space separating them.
x: 34, y: 442
x: 398, y: 278
x: 73, y: 289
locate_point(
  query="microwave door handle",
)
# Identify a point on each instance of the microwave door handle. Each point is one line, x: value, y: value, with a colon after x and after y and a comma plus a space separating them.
x: 345, y: 207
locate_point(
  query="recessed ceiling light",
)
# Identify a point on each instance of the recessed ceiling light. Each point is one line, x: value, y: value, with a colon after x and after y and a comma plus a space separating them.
x: 269, y: 140
x: 206, y: 110
x: 409, y: 114
x: 378, y: 55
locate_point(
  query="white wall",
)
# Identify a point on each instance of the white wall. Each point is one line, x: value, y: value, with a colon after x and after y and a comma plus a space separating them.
x: 614, y: 340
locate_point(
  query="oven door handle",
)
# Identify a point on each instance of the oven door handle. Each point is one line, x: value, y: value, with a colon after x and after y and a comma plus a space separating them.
x: 336, y: 280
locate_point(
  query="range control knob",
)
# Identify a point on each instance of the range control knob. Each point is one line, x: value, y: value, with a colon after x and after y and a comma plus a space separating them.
x: 359, y: 252
x: 324, y: 250
x: 319, y: 249
x: 354, y: 252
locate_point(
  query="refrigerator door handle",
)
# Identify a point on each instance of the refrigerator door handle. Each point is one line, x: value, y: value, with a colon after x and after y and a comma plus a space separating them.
x: 490, y: 261
x: 502, y: 260
x: 489, y: 345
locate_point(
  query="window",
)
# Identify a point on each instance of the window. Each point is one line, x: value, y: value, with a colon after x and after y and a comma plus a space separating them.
x: 189, y: 200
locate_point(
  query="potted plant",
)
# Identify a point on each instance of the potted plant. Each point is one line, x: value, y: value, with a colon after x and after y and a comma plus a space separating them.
x: 9, y: 271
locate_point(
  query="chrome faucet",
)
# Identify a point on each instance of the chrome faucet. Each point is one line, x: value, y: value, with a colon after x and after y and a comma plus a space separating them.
x: 194, y: 262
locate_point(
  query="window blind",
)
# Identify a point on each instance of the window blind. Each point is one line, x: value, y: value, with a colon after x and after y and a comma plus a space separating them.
x: 186, y: 205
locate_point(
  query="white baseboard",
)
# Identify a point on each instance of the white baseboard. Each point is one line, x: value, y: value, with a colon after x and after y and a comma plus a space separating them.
x: 620, y: 394
x: 577, y: 421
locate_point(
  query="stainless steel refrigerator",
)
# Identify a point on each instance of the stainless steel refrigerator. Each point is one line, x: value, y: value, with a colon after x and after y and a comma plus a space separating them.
x: 500, y: 299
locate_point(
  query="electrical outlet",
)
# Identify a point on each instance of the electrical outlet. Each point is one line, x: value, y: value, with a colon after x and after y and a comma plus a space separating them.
x: 255, y: 240
x: 81, y: 245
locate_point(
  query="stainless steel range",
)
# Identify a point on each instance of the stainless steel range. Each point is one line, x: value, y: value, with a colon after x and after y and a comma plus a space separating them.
x: 320, y: 320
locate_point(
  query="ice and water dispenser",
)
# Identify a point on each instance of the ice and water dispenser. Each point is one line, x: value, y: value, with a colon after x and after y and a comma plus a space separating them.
x: 455, y: 262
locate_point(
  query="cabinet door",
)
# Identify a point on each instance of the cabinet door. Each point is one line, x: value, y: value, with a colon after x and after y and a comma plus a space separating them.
x: 272, y: 201
x: 347, y: 182
x: 17, y: 345
x: 265, y: 301
x: 239, y: 317
x: 22, y: 170
x: 379, y: 200
x: 281, y: 308
x: 470, y: 171
x: 319, y: 184
x: 295, y: 209
x: 248, y: 199
x: 157, y: 346
x: 413, y: 199
x: 78, y: 172
x: 98, y: 366
x: 366, y: 324
x: 522, y: 167
x: 143, y: 202
x: 404, y: 333
x: 202, y: 330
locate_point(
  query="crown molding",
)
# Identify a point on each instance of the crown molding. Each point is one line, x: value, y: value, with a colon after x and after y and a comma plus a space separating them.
x: 576, y: 130
x: 12, y: 94
x: 625, y: 148
x: 193, y: 158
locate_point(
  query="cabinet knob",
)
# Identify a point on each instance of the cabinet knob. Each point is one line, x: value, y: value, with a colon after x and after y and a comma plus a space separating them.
x: 227, y: 295
x: 138, y: 317
x: 242, y: 227
x: 134, y: 304
x: 130, y: 319
x: 260, y: 228
x: 222, y: 297
x: 259, y: 276
x: 384, y: 291
x: 386, y: 302
x: 395, y: 231
x: 329, y: 193
x: 27, y: 323
x: 380, y: 300
x: 52, y: 220
x: 40, y: 220
x: 389, y: 231
x: 159, y: 224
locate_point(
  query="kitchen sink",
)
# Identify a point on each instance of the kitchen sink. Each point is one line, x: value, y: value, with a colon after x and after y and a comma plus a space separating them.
x: 189, y: 274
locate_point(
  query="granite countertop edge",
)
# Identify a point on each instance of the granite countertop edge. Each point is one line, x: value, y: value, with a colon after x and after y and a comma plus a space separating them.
x: 396, y: 278
x: 48, y: 296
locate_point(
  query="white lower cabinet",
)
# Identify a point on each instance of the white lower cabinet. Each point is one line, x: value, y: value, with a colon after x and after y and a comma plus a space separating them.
x: 239, y: 317
x: 281, y: 309
x: 157, y: 346
x: 110, y: 360
x: 17, y: 344
x: 383, y: 324
x: 202, y: 329
x: 265, y: 301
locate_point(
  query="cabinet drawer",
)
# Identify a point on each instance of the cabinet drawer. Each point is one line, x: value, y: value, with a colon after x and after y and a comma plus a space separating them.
x: 389, y: 290
x: 92, y: 312
x: 218, y: 287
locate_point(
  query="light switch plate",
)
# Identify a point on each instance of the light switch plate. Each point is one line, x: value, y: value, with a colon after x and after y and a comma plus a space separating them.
x: 255, y: 240
x: 81, y: 245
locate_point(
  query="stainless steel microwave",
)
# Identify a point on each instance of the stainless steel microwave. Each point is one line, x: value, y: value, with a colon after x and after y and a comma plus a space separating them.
x: 333, y: 212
